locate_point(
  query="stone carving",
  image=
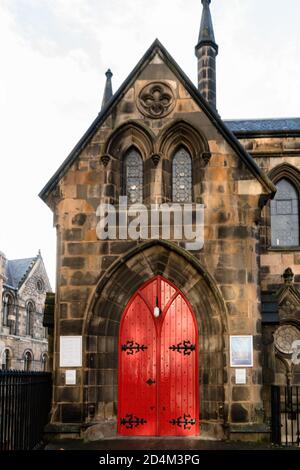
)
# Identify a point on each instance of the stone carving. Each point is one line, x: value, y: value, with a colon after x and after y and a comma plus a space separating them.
x: 284, y: 337
x: 155, y: 159
x: 105, y: 159
x: 206, y: 157
x: 156, y: 100
x: 288, y: 276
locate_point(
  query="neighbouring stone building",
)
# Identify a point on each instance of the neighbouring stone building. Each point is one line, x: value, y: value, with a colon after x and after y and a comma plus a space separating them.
x: 159, y: 139
x: 23, y: 338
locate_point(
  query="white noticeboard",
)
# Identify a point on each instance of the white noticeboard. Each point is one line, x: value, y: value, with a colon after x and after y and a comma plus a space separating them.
x: 70, y: 351
x: 70, y: 377
x: 240, y: 376
x: 241, y: 351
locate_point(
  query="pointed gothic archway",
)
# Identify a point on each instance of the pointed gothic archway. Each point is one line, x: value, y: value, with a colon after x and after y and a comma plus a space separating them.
x: 103, y: 321
x: 158, y: 363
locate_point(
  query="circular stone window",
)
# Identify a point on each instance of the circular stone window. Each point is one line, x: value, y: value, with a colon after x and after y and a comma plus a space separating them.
x: 284, y: 337
x: 40, y: 285
x: 156, y: 100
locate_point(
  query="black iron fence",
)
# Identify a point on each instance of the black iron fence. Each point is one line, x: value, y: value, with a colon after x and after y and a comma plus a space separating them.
x: 285, y: 415
x: 25, y: 401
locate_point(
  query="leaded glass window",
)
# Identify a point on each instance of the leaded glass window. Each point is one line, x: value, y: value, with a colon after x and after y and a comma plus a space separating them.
x: 285, y: 215
x: 182, y: 176
x: 134, y: 177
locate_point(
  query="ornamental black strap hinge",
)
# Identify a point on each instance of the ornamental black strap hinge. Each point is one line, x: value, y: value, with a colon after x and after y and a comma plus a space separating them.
x: 187, y: 422
x: 186, y: 347
x: 131, y: 421
x: 132, y: 346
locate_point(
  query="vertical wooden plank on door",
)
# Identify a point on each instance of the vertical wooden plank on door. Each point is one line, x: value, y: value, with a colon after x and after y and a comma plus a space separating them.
x: 137, y: 414
x: 179, y: 380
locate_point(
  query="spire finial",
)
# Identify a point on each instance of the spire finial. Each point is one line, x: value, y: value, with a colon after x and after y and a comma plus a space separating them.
x: 108, y: 73
x: 206, y: 33
x: 206, y: 52
x: 108, y: 93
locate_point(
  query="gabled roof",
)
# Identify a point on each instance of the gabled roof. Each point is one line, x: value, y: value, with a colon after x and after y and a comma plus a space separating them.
x: 17, y: 271
x: 157, y: 47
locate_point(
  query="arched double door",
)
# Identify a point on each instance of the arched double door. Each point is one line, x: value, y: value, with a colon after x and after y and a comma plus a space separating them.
x: 158, y: 364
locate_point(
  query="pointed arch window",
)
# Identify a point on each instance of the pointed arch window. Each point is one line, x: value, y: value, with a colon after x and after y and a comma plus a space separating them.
x: 182, y: 176
x: 30, y: 309
x: 6, y: 359
x: 133, y: 172
x: 285, y: 215
x: 44, y: 360
x: 27, y: 361
x: 8, y: 309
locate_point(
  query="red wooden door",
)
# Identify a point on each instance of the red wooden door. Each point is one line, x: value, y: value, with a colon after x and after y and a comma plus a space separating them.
x: 158, y: 364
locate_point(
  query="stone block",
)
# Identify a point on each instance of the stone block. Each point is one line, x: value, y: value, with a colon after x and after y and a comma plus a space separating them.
x: 70, y: 327
x: 74, y: 262
x: 105, y: 429
x: 80, y: 278
x: 239, y: 413
x: 74, y: 234
x: 71, y: 413
x: 240, y: 393
x: 77, y: 309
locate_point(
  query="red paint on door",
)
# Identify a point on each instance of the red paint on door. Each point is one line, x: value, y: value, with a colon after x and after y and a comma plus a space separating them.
x: 158, y: 364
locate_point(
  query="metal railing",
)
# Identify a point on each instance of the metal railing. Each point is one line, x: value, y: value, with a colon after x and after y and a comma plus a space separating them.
x: 25, y: 403
x: 285, y: 415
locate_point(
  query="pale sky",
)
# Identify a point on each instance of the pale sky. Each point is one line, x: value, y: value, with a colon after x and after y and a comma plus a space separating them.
x: 54, y: 54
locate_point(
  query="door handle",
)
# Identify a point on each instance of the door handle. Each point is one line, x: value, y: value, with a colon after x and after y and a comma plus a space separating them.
x: 150, y: 382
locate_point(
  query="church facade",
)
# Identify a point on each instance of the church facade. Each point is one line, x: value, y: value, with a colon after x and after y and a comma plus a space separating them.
x: 23, y: 338
x: 173, y: 340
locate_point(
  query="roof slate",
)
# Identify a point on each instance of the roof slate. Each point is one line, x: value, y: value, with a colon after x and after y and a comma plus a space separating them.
x: 17, y: 270
x: 263, y: 125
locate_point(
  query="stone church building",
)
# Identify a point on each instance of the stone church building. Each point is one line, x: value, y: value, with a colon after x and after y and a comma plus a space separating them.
x: 158, y: 322
x: 23, y: 337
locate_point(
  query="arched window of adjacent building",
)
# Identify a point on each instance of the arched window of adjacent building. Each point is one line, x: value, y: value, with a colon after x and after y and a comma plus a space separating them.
x: 8, y: 308
x: 30, y: 310
x: 6, y: 359
x: 182, y: 176
x: 285, y: 215
x: 44, y: 362
x: 27, y: 361
x: 133, y: 176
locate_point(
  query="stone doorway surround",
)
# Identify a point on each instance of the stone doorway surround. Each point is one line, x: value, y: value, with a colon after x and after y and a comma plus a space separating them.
x: 101, y: 331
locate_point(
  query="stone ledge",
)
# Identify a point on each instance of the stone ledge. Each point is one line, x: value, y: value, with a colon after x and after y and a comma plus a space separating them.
x: 249, y: 428
x: 57, y: 428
